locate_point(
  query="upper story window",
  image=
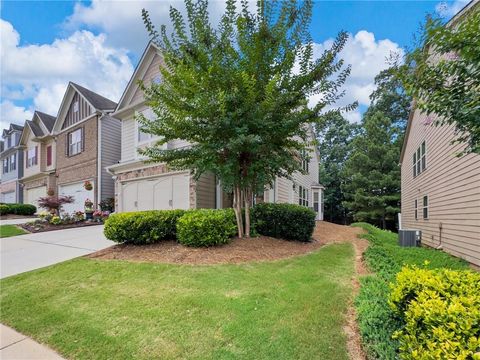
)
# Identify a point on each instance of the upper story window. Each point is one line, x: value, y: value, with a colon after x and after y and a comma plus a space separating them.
x: 420, y: 160
x: 156, y: 79
x: 32, y: 156
x: 9, y: 142
x: 75, y: 142
x: 305, y: 160
x: 303, y: 196
x: 144, y: 138
x: 5, y: 165
x: 13, y: 162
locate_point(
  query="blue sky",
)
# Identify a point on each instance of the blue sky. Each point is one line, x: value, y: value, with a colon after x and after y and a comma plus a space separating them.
x: 45, y: 44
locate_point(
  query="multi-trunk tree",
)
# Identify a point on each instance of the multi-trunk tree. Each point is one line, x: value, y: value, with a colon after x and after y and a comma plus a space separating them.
x: 237, y: 92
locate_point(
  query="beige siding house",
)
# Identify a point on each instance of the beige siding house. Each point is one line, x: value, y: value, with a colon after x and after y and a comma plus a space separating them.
x: 87, y: 141
x: 440, y: 191
x: 141, y: 186
x: 39, y: 148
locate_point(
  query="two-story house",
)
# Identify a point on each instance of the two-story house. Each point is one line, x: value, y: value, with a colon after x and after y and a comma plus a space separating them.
x: 87, y: 141
x: 38, y: 146
x: 145, y: 186
x: 11, y: 158
x: 440, y: 191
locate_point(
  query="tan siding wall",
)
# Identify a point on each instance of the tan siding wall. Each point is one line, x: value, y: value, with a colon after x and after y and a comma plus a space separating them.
x: 30, y: 144
x: 153, y: 70
x: 205, y: 190
x: 452, y: 185
x: 110, y: 153
x: 128, y: 140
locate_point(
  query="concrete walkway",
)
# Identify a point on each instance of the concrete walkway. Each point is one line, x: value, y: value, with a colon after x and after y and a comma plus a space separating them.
x: 16, y: 221
x: 14, y: 345
x: 27, y: 252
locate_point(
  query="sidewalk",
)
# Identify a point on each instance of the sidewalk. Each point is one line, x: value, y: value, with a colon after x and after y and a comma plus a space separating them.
x: 14, y: 345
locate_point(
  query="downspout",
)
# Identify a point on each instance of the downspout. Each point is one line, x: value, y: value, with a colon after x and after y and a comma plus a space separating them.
x: 99, y: 158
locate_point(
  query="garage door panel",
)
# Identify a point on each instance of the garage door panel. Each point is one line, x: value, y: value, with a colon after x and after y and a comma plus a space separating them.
x: 79, y: 195
x: 181, y: 192
x: 129, y: 196
x: 162, y: 191
x: 32, y: 195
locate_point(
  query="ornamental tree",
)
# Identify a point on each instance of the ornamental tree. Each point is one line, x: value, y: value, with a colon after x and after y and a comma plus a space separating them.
x: 237, y: 93
x: 54, y: 203
x: 443, y: 75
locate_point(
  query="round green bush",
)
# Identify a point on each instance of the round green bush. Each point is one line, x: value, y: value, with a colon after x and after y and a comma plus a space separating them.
x: 21, y: 209
x: 284, y: 221
x: 4, y: 209
x: 142, y: 227
x: 206, y: 227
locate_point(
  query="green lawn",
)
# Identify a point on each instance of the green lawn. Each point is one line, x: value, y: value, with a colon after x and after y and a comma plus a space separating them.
x: 85, y: 309
x: 10, y: 230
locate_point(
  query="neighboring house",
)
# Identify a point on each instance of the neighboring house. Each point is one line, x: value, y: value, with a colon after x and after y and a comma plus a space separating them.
x: 12, y: 165
x: 440, y: 191
x: 87, y: 141
x: 141, y: 186
x: 38, y: 147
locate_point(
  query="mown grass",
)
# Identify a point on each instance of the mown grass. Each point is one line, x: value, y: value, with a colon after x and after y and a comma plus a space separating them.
x: 10, y: 230
x: 90, y: 309
x: 385, y: 259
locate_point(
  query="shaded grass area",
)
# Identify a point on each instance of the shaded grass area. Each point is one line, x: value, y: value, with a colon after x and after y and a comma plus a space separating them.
x: 10, y: 230
x: 289, y: 309
x: 385, y: 258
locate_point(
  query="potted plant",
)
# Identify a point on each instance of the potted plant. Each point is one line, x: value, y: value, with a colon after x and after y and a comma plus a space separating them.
x: 88, y: 209
x: 50, y: 192
x: 88, y: 185
x: 78, y: 216
x: 97, y: 215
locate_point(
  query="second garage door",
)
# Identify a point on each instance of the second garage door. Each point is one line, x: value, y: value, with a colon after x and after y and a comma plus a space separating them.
x: 79, y: 194
x: 162, y: 193
x: 32, y: 195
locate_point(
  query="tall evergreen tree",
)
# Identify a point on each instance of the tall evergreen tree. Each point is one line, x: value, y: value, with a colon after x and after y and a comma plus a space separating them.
x: 335, y: 136
x: 238, y: 93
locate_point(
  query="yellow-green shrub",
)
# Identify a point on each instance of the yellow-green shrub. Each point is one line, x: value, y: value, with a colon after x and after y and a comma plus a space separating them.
x: 441, y: 313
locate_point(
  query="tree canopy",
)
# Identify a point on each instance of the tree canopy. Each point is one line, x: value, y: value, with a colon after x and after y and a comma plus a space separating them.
x: 237, y: 93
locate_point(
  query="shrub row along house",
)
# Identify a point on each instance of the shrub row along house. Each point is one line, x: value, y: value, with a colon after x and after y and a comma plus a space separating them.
x: 94, y: 139
x: 440, y: 191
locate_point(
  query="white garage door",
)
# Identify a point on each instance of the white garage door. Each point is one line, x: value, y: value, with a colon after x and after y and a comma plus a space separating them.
x: 32, y: 195
x: 79, y: 195
x: 162, y: 193
x: 8, y: 198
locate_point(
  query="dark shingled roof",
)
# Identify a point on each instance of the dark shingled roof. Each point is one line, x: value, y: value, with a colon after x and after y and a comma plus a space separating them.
x: 97, y: 101
x: 16, y: 127
x: 48, y: 120
x: 36, y: 129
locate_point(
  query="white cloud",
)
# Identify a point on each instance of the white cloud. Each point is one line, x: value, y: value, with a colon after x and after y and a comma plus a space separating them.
x: 367, y: 56
x: 450, y: 9
x: 10, y: 113
x: 42, y: 72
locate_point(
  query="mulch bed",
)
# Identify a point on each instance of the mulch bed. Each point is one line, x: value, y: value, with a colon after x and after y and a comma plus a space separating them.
x: 49, y: 227
x: 260, y: 248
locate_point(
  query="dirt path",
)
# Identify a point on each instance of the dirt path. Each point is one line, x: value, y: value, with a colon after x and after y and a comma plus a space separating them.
x: 327, y: 233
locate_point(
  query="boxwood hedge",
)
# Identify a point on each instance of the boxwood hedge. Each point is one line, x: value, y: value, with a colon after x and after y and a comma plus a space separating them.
x: 143, y: 227
x: 18, y: 209
x: 284, y: 221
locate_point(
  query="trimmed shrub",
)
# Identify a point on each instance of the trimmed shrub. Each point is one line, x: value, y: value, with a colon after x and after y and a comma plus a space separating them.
x: 21, y: 209
x: 4, y: 209
x: 206, y: 227
x: 284, y: 221
x: 440, y: 311
x: 143, y: 227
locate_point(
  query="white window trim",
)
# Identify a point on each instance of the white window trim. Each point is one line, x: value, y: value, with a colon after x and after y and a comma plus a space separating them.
x: 31, y: 159
x: 418, y: 156
x: 77, y: 146
x: 427, y: 207
x: 152, y: 138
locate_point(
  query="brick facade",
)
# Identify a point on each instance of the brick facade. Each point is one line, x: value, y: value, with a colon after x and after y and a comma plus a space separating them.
x: 8, y: 186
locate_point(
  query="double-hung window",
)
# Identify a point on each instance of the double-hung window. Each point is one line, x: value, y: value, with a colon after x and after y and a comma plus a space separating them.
x: 32, y: 156
x: 13, y: 162
x: 5, y: 165
x: 305, y: 160
x: 303, y: 196
x: 425, y: 207
x: 420, y: 160
x: 75, y: 142
x: 416, y: 209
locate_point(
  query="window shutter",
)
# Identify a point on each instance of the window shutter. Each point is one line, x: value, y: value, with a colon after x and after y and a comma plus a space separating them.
x: 36, y: 155
x: 49, y: 155
x: 26, y: 158
x: 67, y: 141
x: 82, y: 132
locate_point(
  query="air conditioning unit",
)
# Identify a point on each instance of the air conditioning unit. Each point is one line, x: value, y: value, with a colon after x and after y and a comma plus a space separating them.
x: 408, y: 238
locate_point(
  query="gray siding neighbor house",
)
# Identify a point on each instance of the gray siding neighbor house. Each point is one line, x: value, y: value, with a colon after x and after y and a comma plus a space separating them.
x: 11, y: 158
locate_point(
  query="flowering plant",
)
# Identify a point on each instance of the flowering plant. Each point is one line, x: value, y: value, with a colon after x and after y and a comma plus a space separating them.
x: 55, y: 220
x: 88, y: 185
x: 88, y: 204
x: 97, y: 213
x: 78, y: 216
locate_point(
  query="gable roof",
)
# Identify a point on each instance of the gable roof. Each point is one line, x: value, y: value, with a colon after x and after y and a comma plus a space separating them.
x: 11, y: 128
x: 99, y: 102
x: 36, y: 129
x: 47, y: 120
x: 142, y: 66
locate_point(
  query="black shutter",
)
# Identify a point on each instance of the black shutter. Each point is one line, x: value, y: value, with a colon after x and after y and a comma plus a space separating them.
x: 83, y: 138
x: 67, y: 139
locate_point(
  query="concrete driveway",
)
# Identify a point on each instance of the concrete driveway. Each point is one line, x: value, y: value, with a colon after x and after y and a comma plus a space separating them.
x: 33, y: 251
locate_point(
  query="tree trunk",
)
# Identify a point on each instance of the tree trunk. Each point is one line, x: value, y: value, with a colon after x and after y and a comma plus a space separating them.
x: 248, y: 198
x: 237, y: 208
